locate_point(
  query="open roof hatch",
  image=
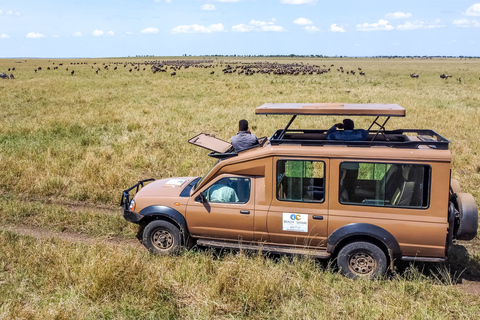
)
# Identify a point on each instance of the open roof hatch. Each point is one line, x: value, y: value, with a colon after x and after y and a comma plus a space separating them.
x: 334, y: 109
x: 209, y: 142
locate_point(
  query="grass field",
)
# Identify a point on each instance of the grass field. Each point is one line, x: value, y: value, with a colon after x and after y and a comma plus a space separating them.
x: 69, y: 144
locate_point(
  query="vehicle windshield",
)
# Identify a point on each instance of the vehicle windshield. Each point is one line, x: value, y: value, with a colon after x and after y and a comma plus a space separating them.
x: 203, y: 177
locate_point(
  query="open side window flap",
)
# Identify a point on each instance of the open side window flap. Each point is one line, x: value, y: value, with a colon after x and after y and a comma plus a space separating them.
x: 206, y: 141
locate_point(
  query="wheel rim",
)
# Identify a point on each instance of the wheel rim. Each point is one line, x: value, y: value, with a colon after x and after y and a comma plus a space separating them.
x: 162, y: 239
x: 362, y: 262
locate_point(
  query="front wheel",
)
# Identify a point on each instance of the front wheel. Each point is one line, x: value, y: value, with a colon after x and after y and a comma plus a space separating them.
x: 161, y: 237
x: 361, y: 260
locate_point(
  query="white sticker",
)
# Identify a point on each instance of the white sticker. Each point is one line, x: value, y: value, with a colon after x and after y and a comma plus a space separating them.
x: 176, y: 182
x: 295, y: 222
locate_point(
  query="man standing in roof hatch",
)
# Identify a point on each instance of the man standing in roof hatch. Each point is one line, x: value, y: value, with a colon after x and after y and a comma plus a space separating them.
x: 243, y: 139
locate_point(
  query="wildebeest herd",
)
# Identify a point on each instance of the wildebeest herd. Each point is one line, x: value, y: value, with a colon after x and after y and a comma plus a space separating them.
x: 227, y: 68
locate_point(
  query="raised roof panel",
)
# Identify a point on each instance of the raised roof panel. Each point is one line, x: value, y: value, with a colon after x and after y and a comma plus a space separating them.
x: 332, y: 109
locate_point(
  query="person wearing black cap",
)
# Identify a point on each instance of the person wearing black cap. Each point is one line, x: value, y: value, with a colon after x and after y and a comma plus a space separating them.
x: 243, y: 139
x: 348, y: 133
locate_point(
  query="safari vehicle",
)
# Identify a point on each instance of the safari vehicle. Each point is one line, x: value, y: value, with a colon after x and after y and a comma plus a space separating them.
x: 364, y: 203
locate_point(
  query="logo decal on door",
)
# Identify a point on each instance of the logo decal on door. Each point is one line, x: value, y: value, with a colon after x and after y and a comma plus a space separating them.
x: 295, y: 222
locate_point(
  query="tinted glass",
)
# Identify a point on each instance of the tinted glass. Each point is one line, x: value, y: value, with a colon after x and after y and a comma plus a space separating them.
x: 299, y: 180
x: 384, y: 184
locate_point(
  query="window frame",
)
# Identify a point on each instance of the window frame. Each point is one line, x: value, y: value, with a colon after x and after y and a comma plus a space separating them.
x: 230, y: 177
x: 429, y: 189
x: 301, y: 201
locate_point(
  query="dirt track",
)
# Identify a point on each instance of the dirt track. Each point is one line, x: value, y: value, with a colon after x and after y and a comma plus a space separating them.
x: 41, y: 233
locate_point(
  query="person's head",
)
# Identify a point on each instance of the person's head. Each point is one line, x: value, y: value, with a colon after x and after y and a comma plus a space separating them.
x: 243, y: 125
x: 348, y: 124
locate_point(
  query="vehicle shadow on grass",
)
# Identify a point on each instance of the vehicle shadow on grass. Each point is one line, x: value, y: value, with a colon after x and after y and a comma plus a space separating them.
x: 461, y: 266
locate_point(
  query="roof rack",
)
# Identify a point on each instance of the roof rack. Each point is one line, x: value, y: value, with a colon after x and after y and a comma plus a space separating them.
x: 401, y: 138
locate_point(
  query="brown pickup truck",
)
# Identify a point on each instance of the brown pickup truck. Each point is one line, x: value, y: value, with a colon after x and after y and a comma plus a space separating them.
x: 364, y: 201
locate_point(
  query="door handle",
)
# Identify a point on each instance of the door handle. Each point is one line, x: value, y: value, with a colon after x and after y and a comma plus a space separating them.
x: 317, y: 217
x: 244, y: 211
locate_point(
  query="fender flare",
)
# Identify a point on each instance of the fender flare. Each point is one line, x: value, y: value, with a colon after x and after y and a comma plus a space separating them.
x: 166, y: 212
x: 364, y: 230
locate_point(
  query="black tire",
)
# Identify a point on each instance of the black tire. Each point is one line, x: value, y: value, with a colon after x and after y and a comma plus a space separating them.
x: 362, y: 260
x: 161, y: 237
x: 467, y: 217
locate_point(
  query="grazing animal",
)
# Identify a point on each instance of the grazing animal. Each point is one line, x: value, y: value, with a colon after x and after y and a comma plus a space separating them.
x: 3, y: 75
x: 414, y: 75
x: 73, y: 71
x: 362, y: 73
x: 173, y: 74
x: 12, y: 76
x: 444, y: 76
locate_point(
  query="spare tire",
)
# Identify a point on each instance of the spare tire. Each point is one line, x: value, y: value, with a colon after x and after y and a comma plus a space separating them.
x: 455, y: 186
x: 467, y: 217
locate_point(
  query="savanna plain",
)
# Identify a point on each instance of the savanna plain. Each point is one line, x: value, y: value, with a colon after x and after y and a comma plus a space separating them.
x: 70, y: 143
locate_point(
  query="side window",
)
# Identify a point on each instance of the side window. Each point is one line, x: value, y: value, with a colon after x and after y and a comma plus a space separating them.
x: 384, y: 184
x: 229, y: 190
x: 299, y: 180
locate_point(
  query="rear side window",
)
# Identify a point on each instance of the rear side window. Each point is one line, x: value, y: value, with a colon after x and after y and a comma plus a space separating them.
x: 384, y: 184
x: 299, y: 180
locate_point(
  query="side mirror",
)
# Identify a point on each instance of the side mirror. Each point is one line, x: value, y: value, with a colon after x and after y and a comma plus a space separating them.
x: 201, y: 198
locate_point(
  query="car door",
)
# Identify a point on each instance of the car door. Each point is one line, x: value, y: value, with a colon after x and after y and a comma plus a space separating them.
x: 224, y: 209
x: 298, y: 214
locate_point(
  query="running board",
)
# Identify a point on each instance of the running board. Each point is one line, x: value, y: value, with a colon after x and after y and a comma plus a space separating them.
x: 316, y: 253
x: 422, y: 259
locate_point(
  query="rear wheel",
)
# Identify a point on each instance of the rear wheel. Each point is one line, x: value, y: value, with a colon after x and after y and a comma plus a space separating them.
x: 361, y: 260
x: 161, y: 237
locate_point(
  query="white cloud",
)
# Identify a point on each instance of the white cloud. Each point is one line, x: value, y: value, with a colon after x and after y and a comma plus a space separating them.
x: 227, y: 0
x: 55, y: 36
x: 110, y: 33
x: 335, y: 28
x: 243, y: 28
x: 398, y: 15
x: 35, y: 35
x: 150, y: 30
x: 474, y: 10
x: 312, y: 29
x: 415, y: 25
x: 4, y: 36
x: 465, y: 23
x: 256, y: 25
x: 167, y: 1
x: 380, y: 25
x: 10, y: 13
x: 195, y: 28
x: 77, y: 34
x: 97, y: 33
x: 208, y: 7
x: 302, y: 21
x: 299, y: 1
x: 273, y: 28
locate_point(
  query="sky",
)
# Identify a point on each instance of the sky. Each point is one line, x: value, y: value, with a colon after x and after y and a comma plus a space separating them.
x: 121, y: 28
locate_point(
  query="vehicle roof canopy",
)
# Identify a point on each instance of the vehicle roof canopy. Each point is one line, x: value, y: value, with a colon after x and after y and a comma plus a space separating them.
x: 332, y: 109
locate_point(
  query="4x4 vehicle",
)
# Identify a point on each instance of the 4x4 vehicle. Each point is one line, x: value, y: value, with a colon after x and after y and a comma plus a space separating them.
x: 365, y: 203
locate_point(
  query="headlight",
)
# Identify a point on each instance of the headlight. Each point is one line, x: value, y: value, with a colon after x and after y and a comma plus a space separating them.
x: 131, y: 207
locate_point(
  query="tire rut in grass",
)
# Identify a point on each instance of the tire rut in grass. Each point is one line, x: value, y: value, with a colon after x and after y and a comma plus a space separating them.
x: 41, y: 233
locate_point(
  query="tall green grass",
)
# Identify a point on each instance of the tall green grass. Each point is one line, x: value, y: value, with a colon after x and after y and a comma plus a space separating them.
x: 88, y: 136
x: 52, y: 279
x: 69, y: 140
